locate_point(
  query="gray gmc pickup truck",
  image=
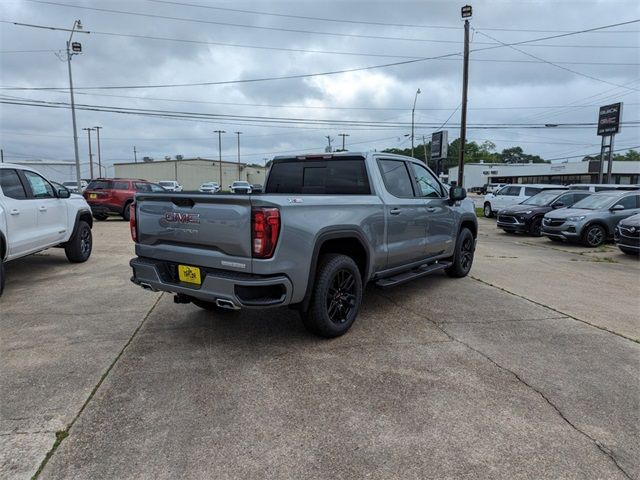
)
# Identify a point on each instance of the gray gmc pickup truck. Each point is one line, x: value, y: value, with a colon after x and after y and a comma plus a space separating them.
x: 324, y: 227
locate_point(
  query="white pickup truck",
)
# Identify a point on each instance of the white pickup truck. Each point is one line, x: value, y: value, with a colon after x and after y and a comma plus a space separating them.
x: 36, y: 214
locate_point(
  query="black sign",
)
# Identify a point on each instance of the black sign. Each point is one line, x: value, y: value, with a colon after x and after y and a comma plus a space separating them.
x: 76, y: 47
x: 439, y: 145
x: 609, y: 119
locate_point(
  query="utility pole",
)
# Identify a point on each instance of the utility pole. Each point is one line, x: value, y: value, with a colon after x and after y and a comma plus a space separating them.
x: 238, y: 133
x: 135, y: 154
x: 97, y: 129
x: 466, y: 13
x: 1, y: 155
x: 343, y: 135
x: 413, y: 116
x: 90, y: 154
x: 74, y: 49
x: 328, y: 137
x: 220, y: 132
x: 424, y: 145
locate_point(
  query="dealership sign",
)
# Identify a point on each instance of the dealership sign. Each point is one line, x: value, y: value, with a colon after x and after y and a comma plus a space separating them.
x: 609, y: 119
x: 439, y: 145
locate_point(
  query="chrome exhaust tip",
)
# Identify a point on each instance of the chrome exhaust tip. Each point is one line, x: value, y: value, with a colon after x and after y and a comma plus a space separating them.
x: 228, y: 304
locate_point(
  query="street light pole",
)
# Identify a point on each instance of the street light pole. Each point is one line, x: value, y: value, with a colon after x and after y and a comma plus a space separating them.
x: 90, y: 154
x: 220, y: 132
x: 238, y: 133
x: 466, y: 14
x: 97, y: 129
x: 77, y: 24
x: 413, y: 115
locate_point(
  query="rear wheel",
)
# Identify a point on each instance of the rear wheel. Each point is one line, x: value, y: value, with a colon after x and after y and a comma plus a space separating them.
x: 336, y: 297
x: 488, y: 212
x: 463, y: 256
x: 594, y: 236
x: 78, y: 248
x: 126, y: 212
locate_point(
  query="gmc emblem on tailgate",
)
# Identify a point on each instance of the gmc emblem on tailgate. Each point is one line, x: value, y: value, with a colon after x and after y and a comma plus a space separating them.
x: 176, y: 217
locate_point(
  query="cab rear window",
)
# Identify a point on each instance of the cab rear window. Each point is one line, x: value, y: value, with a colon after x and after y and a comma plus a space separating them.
x: 335, y: 176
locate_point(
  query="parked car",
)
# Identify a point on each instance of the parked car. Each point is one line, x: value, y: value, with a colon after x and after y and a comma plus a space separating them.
x: 73, y: 186
x: 512, y: 195
x: 627, y: 235
x: 113, y: 196
x: 256, y: 188
x: 325, y: 227
x: 592, y: 220
x: 210, y: 187
x: 170, y: 185
x: 526, y: 217
x: 36, y: 215
x: 492, y: 187
x: 602, y: 187
x: 240, y: 187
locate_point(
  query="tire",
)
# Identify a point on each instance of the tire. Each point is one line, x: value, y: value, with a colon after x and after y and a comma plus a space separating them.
x: 487, y: 211
x: 536, y: 228
x: 336, y: 297
x: 594, y: 235
x: 463, y: 256
x: 125, y: 211
x: 1, y: 277
x: 78, y: 248
x: 100, y: 216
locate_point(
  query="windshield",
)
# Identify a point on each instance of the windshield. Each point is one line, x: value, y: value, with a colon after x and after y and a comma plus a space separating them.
x: 541, y: 199
x: 595, y: 202
x: 241, y: 184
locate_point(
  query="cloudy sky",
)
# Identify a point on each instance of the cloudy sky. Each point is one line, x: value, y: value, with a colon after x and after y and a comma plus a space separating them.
x: 165, y: 47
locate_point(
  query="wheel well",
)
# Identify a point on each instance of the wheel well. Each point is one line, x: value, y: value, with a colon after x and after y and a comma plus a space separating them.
x: 350, y: 247
x: 2, y: 247
x: 471, y: 226
x: 87, y: 217
x: 595, y: 222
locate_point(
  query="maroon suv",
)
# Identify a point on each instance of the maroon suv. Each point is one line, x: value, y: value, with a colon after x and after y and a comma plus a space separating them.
x: 112, y: 196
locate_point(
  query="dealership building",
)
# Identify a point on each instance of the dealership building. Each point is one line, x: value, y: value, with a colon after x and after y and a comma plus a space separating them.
x: 479, y: 174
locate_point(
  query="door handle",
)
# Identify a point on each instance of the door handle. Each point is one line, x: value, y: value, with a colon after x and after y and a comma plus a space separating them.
x: 43, y: 208
x: 15, y: 211
x: 431, y: 209
x: 395, y: 211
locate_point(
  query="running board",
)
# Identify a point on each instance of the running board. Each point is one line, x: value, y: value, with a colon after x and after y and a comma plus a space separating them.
x: 405, y: 277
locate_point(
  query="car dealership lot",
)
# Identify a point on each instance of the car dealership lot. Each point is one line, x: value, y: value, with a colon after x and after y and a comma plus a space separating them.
x: 526, y: 369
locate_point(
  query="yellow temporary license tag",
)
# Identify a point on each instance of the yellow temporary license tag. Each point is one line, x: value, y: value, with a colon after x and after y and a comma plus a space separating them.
x: 189, y: 274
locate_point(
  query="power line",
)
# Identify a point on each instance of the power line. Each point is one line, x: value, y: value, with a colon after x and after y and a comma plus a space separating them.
x: 257, y: 27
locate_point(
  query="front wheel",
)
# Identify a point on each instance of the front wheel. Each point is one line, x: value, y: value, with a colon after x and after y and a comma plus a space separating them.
x: 536, y: 228
x: 463, y: 256
x: 594, y: 236
x: 488, y: 212
x: 78, y: 248
x: 336, y: 297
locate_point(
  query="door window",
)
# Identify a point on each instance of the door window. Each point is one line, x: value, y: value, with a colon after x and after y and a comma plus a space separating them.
x: 428, y: 186
x: 396, y: 178
x: 502, y: 191
x: 121, y: 185
x: 512, y: 191
x: 629, y: 202
x: 11, y: 185
x: 40, y: 188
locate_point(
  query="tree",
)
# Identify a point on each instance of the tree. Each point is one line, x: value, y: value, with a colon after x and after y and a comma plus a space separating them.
x: 629, y: 156
x: 179, y: 157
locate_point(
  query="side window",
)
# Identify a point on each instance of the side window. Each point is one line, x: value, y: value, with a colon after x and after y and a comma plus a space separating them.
x: 628, y: 202
x: 530, y: 191
x: 142, y: 187
x: 511, y: 191
x: 121, y: 185
x: 39, y: 186
x: 396, y: 178
x: 503, y: 191
x: 428, y: 186
x: 11, y: 185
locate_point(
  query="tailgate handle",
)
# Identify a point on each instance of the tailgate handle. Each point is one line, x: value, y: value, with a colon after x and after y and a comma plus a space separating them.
x: 183, y: 202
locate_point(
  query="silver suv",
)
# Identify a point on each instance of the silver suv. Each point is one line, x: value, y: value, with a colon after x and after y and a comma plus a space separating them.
x: 591, y: 221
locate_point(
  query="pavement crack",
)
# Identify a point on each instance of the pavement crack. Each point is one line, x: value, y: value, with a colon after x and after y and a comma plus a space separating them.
x: 604, y: 329
x: 440, y: 327
x: 62, y: 434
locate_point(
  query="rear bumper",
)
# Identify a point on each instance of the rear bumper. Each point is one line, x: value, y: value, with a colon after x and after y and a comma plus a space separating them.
x: 243, y: 290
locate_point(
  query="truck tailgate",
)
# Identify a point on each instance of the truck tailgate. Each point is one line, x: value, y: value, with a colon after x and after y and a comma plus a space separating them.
x: 197, y: 229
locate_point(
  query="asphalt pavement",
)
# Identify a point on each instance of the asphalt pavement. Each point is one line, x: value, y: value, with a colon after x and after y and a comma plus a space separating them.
x: 526, y: 369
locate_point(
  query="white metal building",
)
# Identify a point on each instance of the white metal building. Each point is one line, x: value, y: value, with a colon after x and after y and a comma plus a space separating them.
x: 57, y: 171
x: 479, y: 174
x: 192, y: 172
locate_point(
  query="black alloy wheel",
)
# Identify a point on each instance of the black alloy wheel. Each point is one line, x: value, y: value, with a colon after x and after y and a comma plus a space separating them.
x: 341, y: 296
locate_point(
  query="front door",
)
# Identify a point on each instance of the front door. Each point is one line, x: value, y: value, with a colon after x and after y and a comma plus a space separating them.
x: 51, y: 210
x: 20, y: 214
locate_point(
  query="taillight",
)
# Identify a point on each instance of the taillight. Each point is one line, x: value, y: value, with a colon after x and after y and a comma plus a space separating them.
x: 132, y: 222
x: 265, y: 228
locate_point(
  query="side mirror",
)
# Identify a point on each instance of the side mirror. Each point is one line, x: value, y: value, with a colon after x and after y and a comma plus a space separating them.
x: 457, y: 194
x: 558, y: 205
x: 63, y: 193
x: 617, y: 207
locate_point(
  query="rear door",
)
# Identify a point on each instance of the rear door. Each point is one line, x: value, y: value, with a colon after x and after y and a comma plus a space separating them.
x: 20, y: 213
x: 440, y: 216
x: 51, y: 210
x: 406, y: 215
